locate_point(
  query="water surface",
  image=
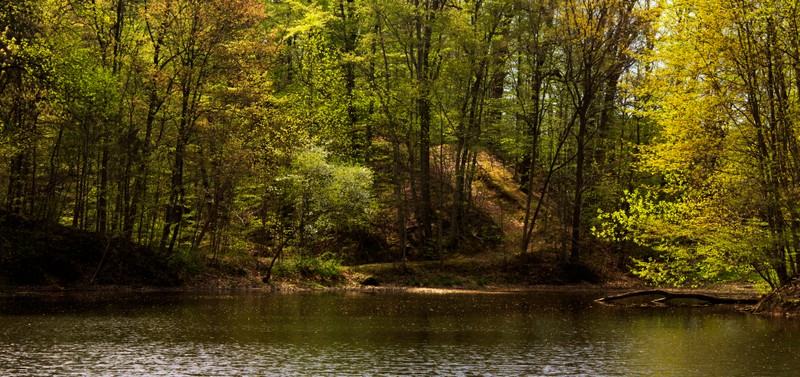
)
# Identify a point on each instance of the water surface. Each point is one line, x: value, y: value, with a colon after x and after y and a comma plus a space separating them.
x: 545, y: 333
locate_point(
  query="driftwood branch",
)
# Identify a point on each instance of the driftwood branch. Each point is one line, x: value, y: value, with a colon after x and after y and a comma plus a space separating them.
x: 665, y: 297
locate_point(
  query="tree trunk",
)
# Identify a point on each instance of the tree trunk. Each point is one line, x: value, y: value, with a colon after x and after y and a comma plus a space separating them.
x: 575, y: 248
x: 666, y: 297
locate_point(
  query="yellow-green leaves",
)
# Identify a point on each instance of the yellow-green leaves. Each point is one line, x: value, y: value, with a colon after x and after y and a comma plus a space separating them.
x: 723, y: 93
x: 312, y: 19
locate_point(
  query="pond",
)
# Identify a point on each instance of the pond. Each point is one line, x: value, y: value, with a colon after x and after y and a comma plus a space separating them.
x: 539, y: 333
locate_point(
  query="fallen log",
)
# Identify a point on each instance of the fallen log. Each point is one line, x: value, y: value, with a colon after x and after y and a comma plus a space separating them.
x: 665, y: 297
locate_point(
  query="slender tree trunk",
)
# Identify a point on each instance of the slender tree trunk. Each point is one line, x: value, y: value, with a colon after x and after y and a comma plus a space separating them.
x: 102, y: 195
x: 580, y: 160
x: 399, y: 198
x: 423, y: 107
x: 176, y: 207
x: 424, y: 79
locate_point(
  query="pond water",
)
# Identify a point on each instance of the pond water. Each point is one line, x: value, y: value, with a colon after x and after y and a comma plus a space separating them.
x: 543, y: 333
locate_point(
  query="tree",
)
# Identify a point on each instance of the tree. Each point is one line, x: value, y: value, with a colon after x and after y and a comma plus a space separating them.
x: 533, y: 79
x: 720, y: 93
x: 24, y: 74
x: 322, y: 197
x: 197, y: 36
x: 569, y: 58
x: 477, y: 68
x: 599, y: 35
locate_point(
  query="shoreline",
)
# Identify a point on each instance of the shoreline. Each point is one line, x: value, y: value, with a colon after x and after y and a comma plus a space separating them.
x: 293, y: 288
x: 101, y: 293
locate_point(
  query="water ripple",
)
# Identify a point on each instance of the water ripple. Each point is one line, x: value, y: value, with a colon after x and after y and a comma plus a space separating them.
x: 361, y: 335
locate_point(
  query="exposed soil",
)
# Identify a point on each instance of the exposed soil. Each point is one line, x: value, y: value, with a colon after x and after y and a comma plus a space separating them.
x: 784, y: 301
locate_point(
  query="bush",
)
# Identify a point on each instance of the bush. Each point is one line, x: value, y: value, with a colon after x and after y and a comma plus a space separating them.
x: 325, y: 267
x: 315, y: 199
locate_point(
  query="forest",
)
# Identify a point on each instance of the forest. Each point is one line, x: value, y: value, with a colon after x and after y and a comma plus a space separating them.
x: 658, y: 137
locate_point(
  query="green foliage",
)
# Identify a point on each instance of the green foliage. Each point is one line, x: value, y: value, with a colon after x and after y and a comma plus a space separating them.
x: 326, y: 266
x: 206, y: 127
x: 319, y: 197
x: 691, y: 242
x: 714, y: 72
x: 188, y: 261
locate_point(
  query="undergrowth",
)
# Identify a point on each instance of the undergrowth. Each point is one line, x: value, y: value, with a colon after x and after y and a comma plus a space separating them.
x: 325, y: 267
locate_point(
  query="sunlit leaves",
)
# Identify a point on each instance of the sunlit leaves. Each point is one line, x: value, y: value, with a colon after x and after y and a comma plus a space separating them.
x: 321, y: 196
x: 312, y: 19
x: 720, y: 89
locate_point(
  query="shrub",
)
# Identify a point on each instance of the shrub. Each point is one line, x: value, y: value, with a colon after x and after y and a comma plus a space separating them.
x: 326, y: 267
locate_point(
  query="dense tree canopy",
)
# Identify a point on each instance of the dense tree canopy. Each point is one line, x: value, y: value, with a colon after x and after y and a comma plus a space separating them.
x: 303, y: 127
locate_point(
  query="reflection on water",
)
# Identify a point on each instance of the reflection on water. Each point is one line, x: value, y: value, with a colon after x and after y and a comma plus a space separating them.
x: 370, y: 334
